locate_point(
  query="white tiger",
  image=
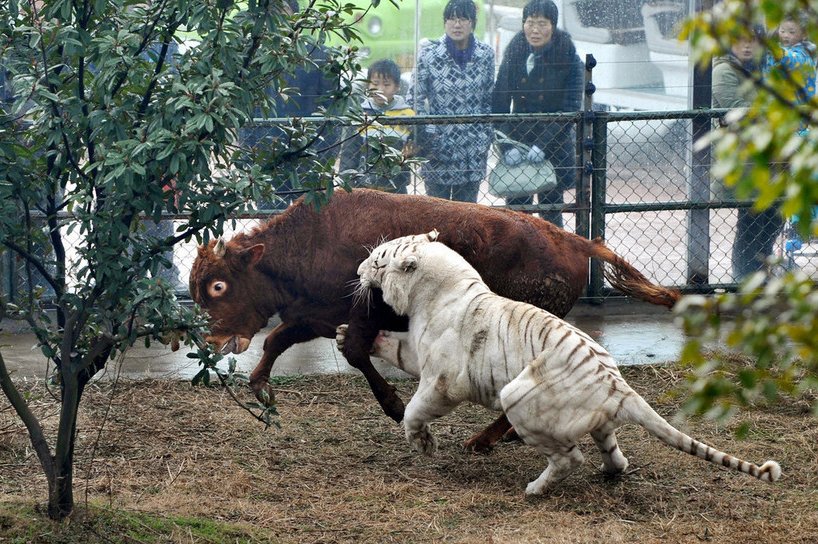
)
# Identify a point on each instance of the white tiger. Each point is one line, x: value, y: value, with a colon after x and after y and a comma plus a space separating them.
x: 553, y: 381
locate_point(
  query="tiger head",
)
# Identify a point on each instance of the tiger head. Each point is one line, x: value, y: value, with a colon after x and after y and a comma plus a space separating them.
x: 398, y: 255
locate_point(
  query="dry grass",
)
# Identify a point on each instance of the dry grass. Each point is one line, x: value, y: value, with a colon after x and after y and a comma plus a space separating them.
x: 340, y: 471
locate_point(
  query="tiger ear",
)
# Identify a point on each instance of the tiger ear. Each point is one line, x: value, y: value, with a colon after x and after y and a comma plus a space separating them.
x: 433, y: 235
x: 408, y: 263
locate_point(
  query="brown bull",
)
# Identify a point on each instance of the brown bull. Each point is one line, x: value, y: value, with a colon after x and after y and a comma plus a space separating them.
x: 302, y: 265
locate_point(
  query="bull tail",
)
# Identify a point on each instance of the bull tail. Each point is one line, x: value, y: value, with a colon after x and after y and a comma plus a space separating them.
x: 624, y: 277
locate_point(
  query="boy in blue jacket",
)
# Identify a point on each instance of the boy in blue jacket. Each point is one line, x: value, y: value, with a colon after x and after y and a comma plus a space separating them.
x: 797, y: 59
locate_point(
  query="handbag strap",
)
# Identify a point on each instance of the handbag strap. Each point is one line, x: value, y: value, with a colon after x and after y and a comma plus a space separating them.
x: 501, y: 138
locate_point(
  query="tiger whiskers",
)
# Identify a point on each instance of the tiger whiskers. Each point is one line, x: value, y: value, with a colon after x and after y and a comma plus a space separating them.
x: 361, y: 294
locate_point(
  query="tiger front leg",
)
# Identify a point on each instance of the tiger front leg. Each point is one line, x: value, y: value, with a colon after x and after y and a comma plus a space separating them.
x: 426, y: 405
x: 386, y: 345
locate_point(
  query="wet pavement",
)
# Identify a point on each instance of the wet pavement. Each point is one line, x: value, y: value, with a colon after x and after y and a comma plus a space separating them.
x: 634, y: 333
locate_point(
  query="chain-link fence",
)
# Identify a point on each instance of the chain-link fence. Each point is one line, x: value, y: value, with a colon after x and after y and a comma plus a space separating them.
x: 632, y: 178
x: 656, y: 205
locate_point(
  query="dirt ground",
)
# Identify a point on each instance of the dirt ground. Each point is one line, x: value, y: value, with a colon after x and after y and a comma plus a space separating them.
x: 339, y: 471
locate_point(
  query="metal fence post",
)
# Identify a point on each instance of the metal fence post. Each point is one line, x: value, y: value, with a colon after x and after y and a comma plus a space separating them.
x: 584, y: 147
x: 698, y: 232
x: 698, y: 229
x: 599, y: 183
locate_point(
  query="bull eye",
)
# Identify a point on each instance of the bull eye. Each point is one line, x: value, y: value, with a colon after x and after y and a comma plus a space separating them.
x: 217, y: 288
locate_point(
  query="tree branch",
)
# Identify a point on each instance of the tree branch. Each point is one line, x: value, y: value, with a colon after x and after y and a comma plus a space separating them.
x: 147, y: 36
x: 33, y: 261
x: 160, y: 62
x: 35, y: 431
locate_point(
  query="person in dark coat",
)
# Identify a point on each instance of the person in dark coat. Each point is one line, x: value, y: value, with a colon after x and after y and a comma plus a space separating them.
x: 313, y: 89
x: 755, y: 231
x: 541, y: 73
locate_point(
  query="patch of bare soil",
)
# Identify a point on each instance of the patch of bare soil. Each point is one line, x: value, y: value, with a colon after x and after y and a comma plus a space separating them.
x: 338, y: 470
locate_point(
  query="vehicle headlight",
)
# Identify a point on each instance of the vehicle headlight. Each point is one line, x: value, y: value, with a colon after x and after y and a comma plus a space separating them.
x: 375, y: 25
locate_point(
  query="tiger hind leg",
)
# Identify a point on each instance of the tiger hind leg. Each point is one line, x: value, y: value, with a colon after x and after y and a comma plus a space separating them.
x: 562, y: 461
x: 613, y: 460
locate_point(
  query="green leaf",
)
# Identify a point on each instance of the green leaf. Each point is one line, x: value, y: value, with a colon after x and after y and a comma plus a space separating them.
x: 203, y: 376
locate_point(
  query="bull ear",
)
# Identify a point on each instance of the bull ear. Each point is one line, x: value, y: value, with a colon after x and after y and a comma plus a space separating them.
x: 433, y: 235
x: 219, y: 248
x: 408, y: 263
x: 252, y: 255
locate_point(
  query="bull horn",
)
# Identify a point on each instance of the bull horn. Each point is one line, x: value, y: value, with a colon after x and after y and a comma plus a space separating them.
x: 219, y: 248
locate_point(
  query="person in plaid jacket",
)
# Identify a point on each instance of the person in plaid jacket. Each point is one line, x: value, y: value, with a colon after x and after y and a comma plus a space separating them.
x: 454, y: 76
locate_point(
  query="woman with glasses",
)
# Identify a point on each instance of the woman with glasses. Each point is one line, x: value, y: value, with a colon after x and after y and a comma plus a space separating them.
x: 455, y: 76
x: 541, y: 73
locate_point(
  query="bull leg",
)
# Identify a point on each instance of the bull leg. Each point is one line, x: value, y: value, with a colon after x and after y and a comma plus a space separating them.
x: 484, y: 441
x: 364, y: 323
x: 280, y: 338
x: 356, y: 350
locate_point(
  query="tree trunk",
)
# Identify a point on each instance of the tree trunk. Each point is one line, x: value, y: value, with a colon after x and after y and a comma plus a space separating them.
x: 75, y: 376
x: 61, y: 485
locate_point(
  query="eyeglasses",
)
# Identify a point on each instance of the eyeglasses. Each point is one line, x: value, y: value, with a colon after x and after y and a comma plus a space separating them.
x: 542, y: 24
x: 458, y: 21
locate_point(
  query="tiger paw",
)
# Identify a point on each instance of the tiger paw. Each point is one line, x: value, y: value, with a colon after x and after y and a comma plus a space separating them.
x: 387, y: 347
x: 382, y: 347
x: 535, y: 488
x: 614, y: 468
x: 422, y: 441
x: 614, y: 463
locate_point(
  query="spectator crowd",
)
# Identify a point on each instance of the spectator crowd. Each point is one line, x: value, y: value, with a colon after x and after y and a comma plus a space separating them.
x: 540, y: 72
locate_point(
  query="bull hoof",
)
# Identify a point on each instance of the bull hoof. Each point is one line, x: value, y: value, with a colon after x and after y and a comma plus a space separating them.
x: 512, y: 436
x: 394, y: 409
x: 264, y: 393
x: 478, y: 444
